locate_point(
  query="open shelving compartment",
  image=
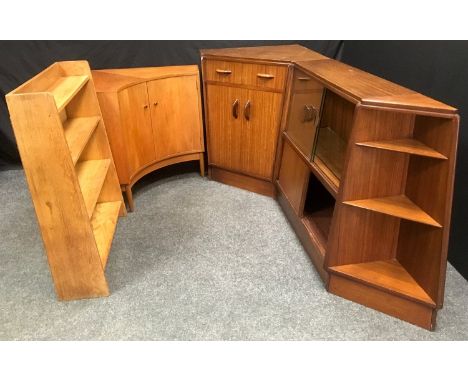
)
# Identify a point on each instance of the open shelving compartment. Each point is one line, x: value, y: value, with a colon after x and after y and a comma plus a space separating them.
x: 87, y: 141
x: 318, y: 211
x: 71, y: 175
x: 394, y: 207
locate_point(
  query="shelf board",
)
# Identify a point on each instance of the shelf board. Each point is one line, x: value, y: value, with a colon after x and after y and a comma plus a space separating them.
x: 91, y: 175
x: 387, y: 275
x: 409, y: 146
x: 77, y: 133
x: 316, y: 234
x: 65, y: 88
x: 399, y: 206
x: 104, y: 221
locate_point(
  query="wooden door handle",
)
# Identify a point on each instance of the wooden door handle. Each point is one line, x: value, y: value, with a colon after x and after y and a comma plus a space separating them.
x: 155, y: 103
x: 266, y: 76
x: 247, y: 110
x: 303, y: 78
x: 145, y: 106
x: 223, y: 71
x: 235, y: 109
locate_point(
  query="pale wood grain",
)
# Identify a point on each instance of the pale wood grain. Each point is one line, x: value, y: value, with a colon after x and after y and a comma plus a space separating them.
x: 91, y: 175
x: 78, y: 131
x: 103, y: 222
x: 65, y: 88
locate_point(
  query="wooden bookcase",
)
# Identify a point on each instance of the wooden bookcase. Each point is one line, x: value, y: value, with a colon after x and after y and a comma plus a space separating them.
x: 366, y: 179
x: 70, y: 173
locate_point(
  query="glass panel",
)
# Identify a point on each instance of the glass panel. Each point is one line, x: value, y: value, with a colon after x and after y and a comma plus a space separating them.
x: 333, y: 134
x: 304, y: 112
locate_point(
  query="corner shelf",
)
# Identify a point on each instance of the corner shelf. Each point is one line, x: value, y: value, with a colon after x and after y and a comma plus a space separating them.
x: 398, y: 206
x: 387, y: 275
x: 91, y: 175
x: 103, y: 222
x: 65, y: 88
x: 71, y: 176
x: 78, y: 131
x: 408, y: 146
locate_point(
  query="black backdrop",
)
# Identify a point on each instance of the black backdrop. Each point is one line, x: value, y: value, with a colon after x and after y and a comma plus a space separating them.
x: 435, y: 68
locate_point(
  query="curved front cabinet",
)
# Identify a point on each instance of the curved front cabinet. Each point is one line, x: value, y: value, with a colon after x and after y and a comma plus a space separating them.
x: 153, y: 119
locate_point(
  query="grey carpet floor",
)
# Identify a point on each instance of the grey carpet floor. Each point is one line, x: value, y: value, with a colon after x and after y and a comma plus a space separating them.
x: 197, y: 260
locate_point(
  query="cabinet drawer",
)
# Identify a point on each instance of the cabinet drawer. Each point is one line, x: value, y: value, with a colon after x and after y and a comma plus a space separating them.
x: 303, y: 81
x: 264, y: 76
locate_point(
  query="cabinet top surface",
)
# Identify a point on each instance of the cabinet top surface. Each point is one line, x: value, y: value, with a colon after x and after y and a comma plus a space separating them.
x: 369, y: 89
x: 111, y: 80
x: 277, y: 53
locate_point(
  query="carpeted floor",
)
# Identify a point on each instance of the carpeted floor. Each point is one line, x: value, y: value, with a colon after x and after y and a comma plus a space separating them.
x: 197, y: 260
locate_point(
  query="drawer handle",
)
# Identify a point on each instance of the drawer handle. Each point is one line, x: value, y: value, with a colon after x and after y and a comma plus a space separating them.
x: 247, y: 110
x: 304, y: 78
x: 235, y: 109
x: 266, y: 76
x: 223, y: 71
x: 310, y: 113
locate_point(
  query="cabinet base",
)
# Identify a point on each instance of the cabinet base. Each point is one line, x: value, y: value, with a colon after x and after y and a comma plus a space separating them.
x: 127, y: 188
x: 245, y: 182
x: 403, y: 309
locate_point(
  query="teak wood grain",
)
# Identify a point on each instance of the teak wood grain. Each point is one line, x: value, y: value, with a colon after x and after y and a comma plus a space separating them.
x: 293, y: 178
x: 153, y: 119
x: 378, y: 148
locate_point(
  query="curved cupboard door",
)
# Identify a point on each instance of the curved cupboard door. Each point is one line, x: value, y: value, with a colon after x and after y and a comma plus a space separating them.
x: 137, y: 131
x: 261, y: 114
x: 175, y: 114
x: 224, y: 105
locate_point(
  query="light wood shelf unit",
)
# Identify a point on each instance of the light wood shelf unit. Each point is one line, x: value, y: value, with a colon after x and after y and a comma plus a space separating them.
x: 65, y: 88
x: 70, y: 172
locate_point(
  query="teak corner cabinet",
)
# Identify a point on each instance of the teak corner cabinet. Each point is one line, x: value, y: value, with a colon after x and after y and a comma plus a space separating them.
x: 153, y: 119
x: 71, y: 175
x: 363, y: 168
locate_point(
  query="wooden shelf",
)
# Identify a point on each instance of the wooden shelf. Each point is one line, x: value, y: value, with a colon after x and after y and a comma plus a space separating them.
x: 91, y: 175
x: 65, y: 88
x: 77, y: 133
x: 387, y: 275
x: 409, y: 146
x: 103, y: 223
x: 399, y: 206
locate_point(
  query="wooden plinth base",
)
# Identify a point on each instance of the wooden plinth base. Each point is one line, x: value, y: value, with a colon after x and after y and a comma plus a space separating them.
x: 401, y: 308
x: 242, y: 181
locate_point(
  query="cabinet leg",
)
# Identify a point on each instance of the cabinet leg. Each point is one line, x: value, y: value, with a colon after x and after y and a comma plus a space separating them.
x: 202, y: 165
x: 129, y: 195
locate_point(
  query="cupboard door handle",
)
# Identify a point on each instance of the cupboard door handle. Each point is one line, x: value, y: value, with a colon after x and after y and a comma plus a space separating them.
x: 266, y: 76
x: 310, y: 113
x: 145, y: 106
x: 247, y: 110
x: 155, y: 103
x: 303, y: 78
x: 235, y: 109
x: 223, y: 71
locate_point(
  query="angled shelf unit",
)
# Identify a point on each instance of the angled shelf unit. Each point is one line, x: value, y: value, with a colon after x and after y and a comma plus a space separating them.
x: 366, y: 180
x: 71, y: 175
